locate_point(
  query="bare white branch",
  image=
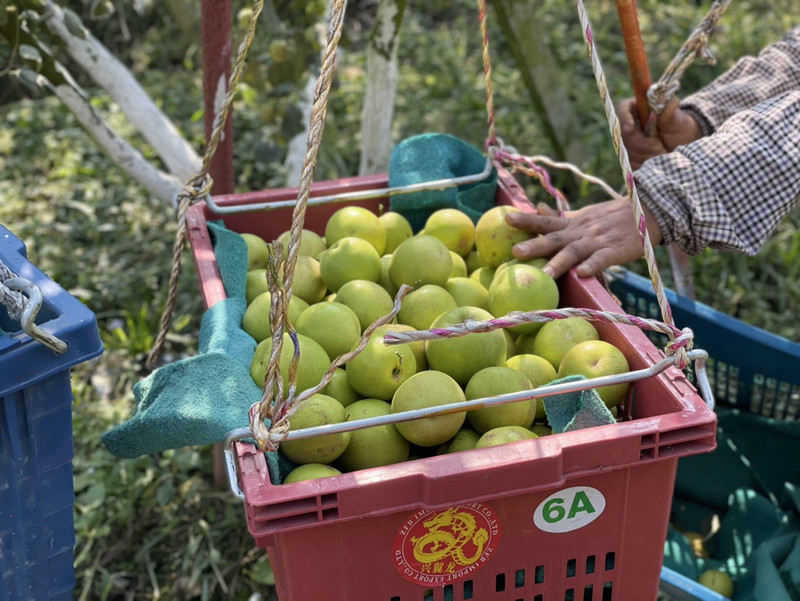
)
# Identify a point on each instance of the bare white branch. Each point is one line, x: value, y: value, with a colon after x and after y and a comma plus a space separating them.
x: 163, y: 186
x: 110, y: 74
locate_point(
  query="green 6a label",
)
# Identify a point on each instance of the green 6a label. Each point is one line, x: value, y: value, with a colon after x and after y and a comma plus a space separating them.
x: 569, y: 509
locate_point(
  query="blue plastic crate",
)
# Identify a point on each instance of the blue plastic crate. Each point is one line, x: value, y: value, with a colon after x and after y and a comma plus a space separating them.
x: 677, y: 587
x: 36, y: 489
x: 748, y: 368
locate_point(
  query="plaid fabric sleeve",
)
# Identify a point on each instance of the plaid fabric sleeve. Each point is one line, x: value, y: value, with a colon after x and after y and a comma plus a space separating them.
x: 751, y: 80
x: 730, y: 190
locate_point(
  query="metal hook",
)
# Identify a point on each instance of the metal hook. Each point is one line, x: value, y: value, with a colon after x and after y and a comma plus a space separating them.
x: 30, y: 310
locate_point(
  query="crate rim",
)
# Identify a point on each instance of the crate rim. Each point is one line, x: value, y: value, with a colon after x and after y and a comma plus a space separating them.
x: 700, y: 309
x: 74, y: 323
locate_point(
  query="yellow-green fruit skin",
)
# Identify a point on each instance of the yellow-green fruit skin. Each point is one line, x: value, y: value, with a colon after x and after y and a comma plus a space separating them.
x: 257, y: 251
x: 375, y: 446
x: 464, y: 440
x: 349, y: 259
x: 310, y: 471
x: 718, y: 581
x: 397, y: 229
x: 556, y: 337
x: 538, y: 370
x: 421, y: 306
x: 454, y: 228
x: 420, y: 260
x: 594, y: 359
x: 429, y: 389
x: 494, y: 381
x: 317, y: 410
x: 494, y: 238
x: 504, y: 435
x: 358, y: 222
x: 379, y: 369
x: 523, y: 288
x: 368, y: 300
x: 333, y: 325
x: 340, y: 389
x: 313, y: 364
x: 461, y: 357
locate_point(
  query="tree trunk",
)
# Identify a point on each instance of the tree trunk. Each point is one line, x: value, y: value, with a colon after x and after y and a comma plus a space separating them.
x: 378, y: 111
x: 525, y: 33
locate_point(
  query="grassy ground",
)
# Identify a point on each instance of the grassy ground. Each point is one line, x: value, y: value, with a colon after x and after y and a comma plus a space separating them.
x: 156, y: 527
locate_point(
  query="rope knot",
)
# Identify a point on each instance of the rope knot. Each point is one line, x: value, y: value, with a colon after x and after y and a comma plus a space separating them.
x: 267, y: 437
x: 277, y: 433
x: 680, y: 346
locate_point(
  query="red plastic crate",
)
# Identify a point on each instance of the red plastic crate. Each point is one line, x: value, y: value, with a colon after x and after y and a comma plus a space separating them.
x: 574, y: 516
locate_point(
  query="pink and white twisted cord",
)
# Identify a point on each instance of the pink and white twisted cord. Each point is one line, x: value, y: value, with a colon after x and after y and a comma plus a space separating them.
x: 530, y: 166
x: 680, y: 340
x: 627, y: 172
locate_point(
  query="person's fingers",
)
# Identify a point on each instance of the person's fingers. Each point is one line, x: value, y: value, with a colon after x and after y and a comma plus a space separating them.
x: 676, y: 127
x: 596, y: 263
x: 536, y: 223
x: 570, y: 254
x: 543, y: 245
x: 667, y: 116
x: 546, y: 210
x: 626, y: 113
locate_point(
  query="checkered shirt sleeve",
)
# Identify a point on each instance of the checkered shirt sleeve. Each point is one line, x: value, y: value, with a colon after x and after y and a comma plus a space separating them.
x: 730, y: 190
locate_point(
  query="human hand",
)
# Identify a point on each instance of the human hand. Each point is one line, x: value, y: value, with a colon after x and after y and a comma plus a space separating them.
x: 593, y: 237
x: 674, y: 127
x: 639, y: 145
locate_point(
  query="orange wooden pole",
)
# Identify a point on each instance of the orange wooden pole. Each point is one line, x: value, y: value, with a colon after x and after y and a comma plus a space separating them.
x: 640, y: 77
x: 637, y: 58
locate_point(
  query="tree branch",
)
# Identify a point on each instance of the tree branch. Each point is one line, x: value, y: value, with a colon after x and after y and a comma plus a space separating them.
x: 109, y: 73
x: 163, y: 186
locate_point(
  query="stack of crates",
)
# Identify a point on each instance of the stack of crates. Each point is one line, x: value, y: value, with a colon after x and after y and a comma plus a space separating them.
x: 578, y: 515
x: 36, y: 487
x: 749, y: 369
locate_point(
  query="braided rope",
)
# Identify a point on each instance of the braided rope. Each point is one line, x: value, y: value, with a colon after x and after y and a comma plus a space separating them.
x: 696, y: 46
x: 679, y: 339
x: 279, y: 409
x: 199, y: 186
x: 529, y: 166
x: 514, y: 159
x: 491, y: 140
x: 627, y: 172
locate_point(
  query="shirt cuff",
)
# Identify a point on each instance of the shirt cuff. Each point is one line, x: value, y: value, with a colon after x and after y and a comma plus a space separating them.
x: 706, y: 127
x: 661, y: 217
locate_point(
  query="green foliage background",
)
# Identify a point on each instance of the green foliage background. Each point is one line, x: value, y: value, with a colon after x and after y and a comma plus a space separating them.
x: 157, y: 527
